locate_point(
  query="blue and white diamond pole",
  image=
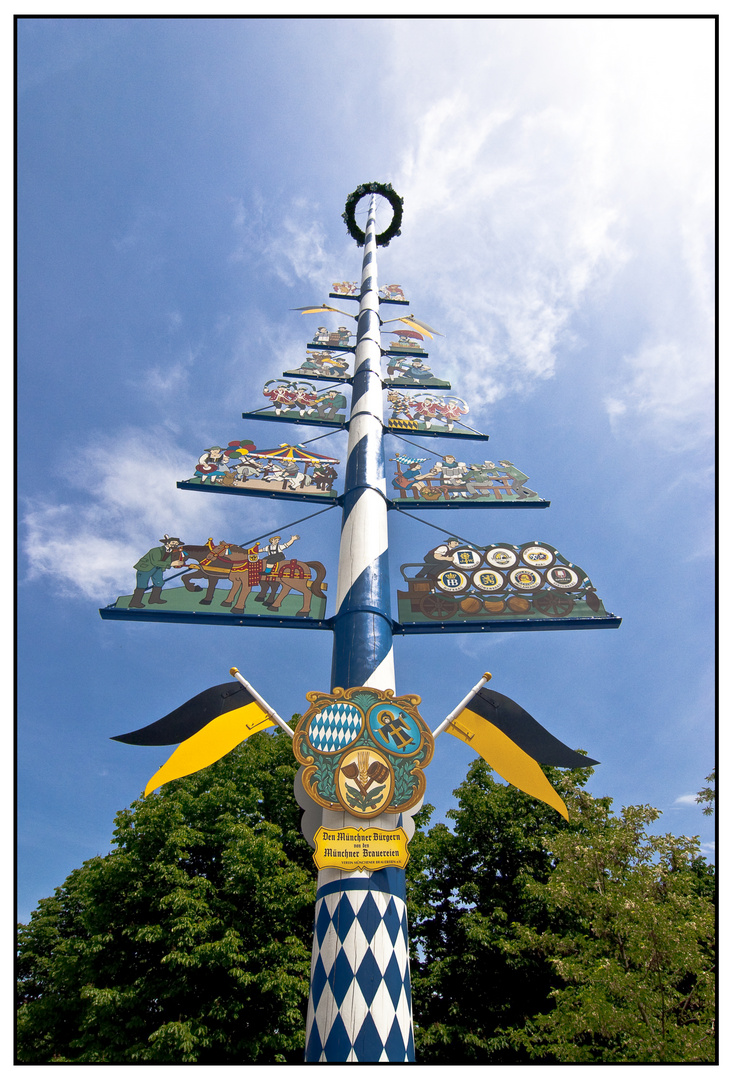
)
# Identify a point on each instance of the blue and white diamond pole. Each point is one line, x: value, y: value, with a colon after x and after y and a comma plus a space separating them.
x: 360, y: 996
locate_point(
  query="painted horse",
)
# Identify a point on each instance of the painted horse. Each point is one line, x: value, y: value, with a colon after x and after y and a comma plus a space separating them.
x: 244, y: 570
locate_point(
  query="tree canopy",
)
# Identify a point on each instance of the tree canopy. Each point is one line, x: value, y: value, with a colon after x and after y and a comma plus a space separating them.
x: 537, y: 940
x: 190, y: 941
x: 533, y: 939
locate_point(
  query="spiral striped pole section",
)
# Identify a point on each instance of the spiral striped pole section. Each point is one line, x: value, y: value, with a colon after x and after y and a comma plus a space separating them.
x: 360, y: 996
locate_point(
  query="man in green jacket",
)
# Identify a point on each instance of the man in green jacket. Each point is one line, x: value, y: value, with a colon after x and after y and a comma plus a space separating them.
x: 151, y: 567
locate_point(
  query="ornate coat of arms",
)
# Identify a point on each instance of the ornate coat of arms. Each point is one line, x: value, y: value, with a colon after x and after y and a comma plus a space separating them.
x: 364, y: 750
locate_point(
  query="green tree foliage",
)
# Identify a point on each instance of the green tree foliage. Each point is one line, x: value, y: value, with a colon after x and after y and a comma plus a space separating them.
x: 190, y: 942
x: 632, y: 939
x: 707, y: 794
x: 540, y: 941
x: 467, y: 891
x: 533, y: 940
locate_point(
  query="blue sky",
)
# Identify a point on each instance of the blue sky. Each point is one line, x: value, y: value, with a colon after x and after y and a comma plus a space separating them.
x: 180, y: 189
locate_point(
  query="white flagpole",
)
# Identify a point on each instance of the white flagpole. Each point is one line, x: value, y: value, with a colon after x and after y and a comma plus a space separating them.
x: 465, y: 701
x: 263, y: 704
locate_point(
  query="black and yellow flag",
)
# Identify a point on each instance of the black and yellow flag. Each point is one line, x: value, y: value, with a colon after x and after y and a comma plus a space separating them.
x: 515, y: 744
x: 207, y: 727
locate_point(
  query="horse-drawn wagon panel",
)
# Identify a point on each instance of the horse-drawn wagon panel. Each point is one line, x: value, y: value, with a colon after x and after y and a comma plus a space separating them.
x: 498, y: 585
x: 226, y: 580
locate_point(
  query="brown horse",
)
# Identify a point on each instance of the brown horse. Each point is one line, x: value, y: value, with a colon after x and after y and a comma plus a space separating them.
x: 218, y: 561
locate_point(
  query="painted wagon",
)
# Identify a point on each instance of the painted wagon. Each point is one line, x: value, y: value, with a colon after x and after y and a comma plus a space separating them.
x: 504, y: 581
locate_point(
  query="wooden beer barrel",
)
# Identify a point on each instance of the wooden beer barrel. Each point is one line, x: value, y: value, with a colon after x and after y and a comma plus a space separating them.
x: 471, y: 605
x: 495, y: 606
x: 519, y: 604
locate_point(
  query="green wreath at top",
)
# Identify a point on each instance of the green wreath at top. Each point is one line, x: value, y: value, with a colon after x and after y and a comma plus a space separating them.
x: 386, y: 190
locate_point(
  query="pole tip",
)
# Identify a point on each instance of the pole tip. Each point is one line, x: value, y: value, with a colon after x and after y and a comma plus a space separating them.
x: 234, y: 671
x: 487, y: 676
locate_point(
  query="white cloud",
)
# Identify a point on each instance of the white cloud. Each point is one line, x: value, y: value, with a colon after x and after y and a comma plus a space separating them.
x: 685, y: 800
x: 171, y: 379
x: 539, y: 237
x: 575, y: 159
x: 546, y: 166
x: 667, y: 393
x: 297, y: 251
x: 291, y: 245
x: 88, y: 547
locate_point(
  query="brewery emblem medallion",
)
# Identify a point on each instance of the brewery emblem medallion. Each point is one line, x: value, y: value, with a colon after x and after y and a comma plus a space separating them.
x: 364, y: 751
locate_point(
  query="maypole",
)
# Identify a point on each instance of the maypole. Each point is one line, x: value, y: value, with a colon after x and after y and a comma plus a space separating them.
x: 362, y: 749
x: 360, y: 994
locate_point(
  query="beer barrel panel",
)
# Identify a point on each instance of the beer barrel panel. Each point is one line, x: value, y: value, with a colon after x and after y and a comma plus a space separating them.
x: 499, y: 581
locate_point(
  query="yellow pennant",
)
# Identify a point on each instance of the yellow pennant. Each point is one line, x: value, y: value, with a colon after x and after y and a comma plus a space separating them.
x: 321, y: 308
x: 211, y: 743
x: 506, y: 757
x: 411, y: 320
x: 416, y: 326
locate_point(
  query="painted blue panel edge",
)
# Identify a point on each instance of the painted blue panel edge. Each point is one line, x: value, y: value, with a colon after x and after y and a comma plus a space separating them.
x: 610, y: 622
x: 295, y: 420
x: 381, y: 299
x: 388, y: 385
x: 330, y: 348
x: 307, y: 376
x: 465, y: 504
x: 293, y: 496
x: 215, y: 618
x: 434, y: 434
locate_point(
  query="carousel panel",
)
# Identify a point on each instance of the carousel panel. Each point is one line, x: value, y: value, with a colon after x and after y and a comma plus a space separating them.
x: 287, y: 471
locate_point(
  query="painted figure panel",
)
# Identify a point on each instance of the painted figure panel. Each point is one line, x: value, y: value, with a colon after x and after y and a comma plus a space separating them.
x: 436, y: 413
x: 340, y: 339
x: 390, y: 294
x: 303, y: 401
x: 448, y: 480
x: 322, y: 365
x: 278, y: 469
x: 256, y: 580
x: 503, y: 582
x: 407, y: 341
x: 412, y: 371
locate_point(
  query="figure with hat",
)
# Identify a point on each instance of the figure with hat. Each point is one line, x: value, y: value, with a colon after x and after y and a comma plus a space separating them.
x: 328, y: 404
x: 438, y: 559
x: 269, y: 582
x: 151, y: 567
x: 211, y: 465
x: 451, y: 473
x: 518, y: 481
